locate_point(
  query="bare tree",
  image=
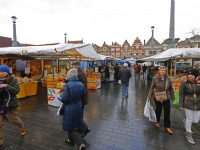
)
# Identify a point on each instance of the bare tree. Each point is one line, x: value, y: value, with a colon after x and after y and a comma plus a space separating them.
x: 195, y: 36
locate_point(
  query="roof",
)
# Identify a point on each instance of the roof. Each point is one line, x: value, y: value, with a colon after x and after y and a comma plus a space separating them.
x: 149, y: 41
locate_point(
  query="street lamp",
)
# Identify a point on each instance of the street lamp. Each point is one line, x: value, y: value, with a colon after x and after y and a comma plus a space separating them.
x: 152, y: 41
x: 14, y: 44
x: 65, y: 37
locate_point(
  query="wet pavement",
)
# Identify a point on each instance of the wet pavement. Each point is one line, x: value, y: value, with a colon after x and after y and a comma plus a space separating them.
x: 116, y: 123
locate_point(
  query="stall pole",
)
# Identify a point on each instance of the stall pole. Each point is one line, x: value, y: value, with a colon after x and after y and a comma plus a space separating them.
x: 53, y: 69
x: 174, y: 71
x: 171, y: 67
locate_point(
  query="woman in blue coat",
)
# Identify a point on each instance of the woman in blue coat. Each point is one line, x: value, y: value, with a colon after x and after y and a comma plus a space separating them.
x: 71, y: 97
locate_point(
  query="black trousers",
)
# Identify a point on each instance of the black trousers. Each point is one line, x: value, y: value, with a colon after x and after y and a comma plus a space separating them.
x: 166, y: 106
x: 73, y: 137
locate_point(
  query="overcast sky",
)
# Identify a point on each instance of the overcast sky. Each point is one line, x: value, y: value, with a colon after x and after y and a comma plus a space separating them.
x: 96, y: 21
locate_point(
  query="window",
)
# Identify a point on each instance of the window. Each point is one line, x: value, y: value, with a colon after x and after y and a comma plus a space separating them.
x: 127, y: 54
x: 140, y: 53
x: 117, y: 54
x: 117, y: 49
x: 153, y: 44
x: 158, y: 51
x: 104, y: 48
x: 126, y: 47
x: 146, y: 52
x: 137, y: 46
x: 106, y: 54
x: 112, y: 49
x: 165, y: 48
x: 123, y: 54
x: 113, y: 54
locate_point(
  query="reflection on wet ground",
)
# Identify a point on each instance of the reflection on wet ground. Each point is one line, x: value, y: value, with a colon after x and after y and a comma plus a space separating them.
x: 117, y: 124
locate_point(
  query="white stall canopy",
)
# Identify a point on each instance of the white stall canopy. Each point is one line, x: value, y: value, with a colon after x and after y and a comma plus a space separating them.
x: 103, y: 57
x: 72, y: 50
x: 173, y: 53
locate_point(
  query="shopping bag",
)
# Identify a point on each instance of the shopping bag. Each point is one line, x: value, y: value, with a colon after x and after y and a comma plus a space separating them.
x: 146, y: 109
x: 61, y: 109
x: 119, y: 82
x: 152, y: 116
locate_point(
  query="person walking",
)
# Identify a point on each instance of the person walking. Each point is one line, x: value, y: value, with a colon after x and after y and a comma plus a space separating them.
x: 136, y: 70
x: 71, y: 96
x: 162, y: 83
x: 107, y: 73
x: 189, y: 100
x: 144, y: 69
x: 83, y: 127
x: 124, y: 75
x: 116, y: 68
x: 9, y: 88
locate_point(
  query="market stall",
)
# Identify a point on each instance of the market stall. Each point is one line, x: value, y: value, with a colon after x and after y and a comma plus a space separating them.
x: 172, y: 56
x: 70, y: 52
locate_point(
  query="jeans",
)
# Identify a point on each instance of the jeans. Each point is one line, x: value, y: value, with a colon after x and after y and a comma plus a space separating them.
x: 125, y: 86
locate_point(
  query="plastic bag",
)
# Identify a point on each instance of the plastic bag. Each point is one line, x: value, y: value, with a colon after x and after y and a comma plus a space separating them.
x: 146, y: 109
x: 152, y: 117
x: 149, y: 112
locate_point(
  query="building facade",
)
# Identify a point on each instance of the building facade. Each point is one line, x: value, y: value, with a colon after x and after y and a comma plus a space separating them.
x: 115, y: 49
x: 137, y: 49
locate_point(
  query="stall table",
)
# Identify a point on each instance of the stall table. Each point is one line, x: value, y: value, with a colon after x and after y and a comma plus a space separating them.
x: 27, y: 89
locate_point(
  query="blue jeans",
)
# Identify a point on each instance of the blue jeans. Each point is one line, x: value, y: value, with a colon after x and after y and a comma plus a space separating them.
x: 125, y: 86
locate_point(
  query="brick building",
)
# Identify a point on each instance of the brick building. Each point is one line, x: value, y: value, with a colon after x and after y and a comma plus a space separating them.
x: 5, y: 42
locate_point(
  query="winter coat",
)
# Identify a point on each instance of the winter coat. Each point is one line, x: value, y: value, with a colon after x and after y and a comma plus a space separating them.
x: 159, y: 85
x: 83, y: 79
x: 124, y: 74
x: 186, y: 96
x: 72, y: 92
x: 107, y: 71
x: 116, y: 68
x: 13, y: 89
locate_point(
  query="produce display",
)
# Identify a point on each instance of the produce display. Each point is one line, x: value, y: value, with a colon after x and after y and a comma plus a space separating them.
x: 94, y: 81
x: 58, y: 81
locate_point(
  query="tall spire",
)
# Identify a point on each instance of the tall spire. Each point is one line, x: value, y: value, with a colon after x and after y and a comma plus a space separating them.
x: 172, y: 27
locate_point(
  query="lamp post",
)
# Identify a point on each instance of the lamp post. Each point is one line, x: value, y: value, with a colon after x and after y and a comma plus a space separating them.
x: 14, y: 44
x: 152, y: 41
x: 65, y: 37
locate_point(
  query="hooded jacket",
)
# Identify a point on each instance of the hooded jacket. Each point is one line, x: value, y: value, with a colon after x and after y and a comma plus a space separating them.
x: 189, y: 95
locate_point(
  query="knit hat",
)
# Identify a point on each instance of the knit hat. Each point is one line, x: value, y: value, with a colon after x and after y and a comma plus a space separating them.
x: 4, y: 68
x: 72, y: 73
x: 194, y: 72
x: 76, y: 63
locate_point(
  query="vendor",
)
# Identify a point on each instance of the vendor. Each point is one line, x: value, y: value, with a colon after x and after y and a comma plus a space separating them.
x: 89, y: 70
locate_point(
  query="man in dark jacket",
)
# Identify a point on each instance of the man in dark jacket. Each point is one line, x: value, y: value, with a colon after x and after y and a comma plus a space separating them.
x: 124, y: 75
x: 84, y: 100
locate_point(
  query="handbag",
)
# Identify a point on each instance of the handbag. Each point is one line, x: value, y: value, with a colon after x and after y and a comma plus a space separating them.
x: 61, y: 109
x: 162, y: 96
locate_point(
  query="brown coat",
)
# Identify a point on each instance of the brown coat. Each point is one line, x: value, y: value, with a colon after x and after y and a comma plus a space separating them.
x: 159, y: 86
x: 83, y: 79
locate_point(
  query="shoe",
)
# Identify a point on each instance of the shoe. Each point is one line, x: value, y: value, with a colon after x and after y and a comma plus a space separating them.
x: 2, y: 145
x: 85, y: 132
x: 169, y: 131
x: 69, y: 142
x: 23, y: 131
x: 82, y: 147
x: 123, y: 96
x: 127, y: 95
x: 157, y: 125
x: 189, y: 137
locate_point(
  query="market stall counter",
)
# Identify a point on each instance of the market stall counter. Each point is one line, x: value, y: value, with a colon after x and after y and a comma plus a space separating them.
x: 27, y: 88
